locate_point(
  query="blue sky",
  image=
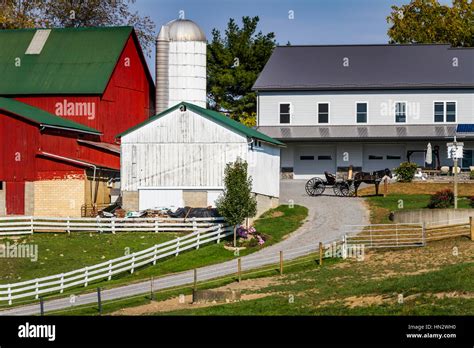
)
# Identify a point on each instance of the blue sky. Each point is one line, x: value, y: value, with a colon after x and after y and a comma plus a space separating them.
x: 315, y: 21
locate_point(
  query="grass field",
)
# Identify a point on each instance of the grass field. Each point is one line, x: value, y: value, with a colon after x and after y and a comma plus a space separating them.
x: 61, y: 253
x: 432, y: 280
x: 412, y: 196
x: 380, y: 207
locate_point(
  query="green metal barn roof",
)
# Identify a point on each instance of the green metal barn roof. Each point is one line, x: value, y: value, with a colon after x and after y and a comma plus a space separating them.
x: 72, y: 60
x: 42, y: 117
x: 215, y: 116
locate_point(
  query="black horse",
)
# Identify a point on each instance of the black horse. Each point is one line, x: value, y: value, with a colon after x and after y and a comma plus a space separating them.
x: 371, y: 178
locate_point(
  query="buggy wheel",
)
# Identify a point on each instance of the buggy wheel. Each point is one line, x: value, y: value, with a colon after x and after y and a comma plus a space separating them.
x: 347, y: 189
x: 315, y: 187
x: 337, y: 188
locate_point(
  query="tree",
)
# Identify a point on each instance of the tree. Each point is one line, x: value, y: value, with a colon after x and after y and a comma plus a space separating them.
x: 20, y: 14
x: 77, y: 13
x: 233, y: 64
x: 237, y: 202
x: 426, y: 21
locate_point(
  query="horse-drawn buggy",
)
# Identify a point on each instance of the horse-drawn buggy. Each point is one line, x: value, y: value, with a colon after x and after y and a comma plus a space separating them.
x: 345, y: 187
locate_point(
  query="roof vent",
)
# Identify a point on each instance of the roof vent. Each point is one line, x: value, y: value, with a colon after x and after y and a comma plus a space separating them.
x: 38, y: 41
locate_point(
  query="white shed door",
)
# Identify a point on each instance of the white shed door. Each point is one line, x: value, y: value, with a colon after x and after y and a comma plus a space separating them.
x: 156, y: 198
x: 313, y: 161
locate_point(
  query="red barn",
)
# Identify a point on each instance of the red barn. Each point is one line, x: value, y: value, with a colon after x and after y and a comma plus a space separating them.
x: 64, y: 95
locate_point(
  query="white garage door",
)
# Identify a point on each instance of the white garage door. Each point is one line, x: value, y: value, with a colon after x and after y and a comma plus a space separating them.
x: 313, y: 161
x: 156, y: 198
x: 378, y: 157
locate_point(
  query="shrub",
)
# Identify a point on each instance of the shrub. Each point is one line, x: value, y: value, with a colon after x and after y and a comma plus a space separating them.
x: 441, y: 199
x: 472, y: 201
x: 406, y: 171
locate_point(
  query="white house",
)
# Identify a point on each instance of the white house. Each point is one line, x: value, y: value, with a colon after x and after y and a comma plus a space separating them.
x: 369, y: 106
x: 177, y: 158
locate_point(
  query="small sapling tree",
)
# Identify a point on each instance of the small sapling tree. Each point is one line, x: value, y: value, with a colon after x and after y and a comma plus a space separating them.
x: 237, y: 202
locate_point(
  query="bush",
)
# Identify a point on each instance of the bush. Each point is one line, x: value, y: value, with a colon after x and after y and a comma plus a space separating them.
x: 472, y: 201
x: 406, y: 171
x: 442, y: 199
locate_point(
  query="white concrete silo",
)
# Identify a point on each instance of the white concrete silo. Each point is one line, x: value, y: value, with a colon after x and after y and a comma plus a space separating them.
x: 180, y: 64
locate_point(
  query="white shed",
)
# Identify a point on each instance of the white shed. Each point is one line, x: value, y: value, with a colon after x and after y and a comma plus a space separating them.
x: 177, y: 158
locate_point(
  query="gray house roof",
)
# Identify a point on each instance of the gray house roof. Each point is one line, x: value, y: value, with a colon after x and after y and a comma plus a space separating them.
x: 370, y: 67
x: 375, y: 132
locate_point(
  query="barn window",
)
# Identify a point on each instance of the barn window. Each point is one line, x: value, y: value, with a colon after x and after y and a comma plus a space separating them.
x: 323, y: 112
x: 1, y: 185
x: 391, y: 157
x: 285, y: 111
x: 306, y: 158
x: 324, y: 158
x: 374, y: 157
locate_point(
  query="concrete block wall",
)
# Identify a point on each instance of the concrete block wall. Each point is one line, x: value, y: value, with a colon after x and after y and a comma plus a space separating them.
x: 430, y: 216
x: 59, y: 197
x: 29, y: 198
x: 265, y: 203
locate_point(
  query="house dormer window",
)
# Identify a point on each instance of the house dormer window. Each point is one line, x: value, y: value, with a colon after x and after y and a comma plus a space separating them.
x: 323, y: 112
x: 400, y: 112
x: 285, y: 113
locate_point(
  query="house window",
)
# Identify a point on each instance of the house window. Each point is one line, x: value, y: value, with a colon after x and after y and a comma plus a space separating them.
x: 400, y: 112
x: 306, y: 158
x: 324, y: 158
x: 361, y: 109
x: 439, y: 112
x: 374, y: 157
x: 450, y: 112
x: 323, y: 113
x: 444, y: 112
x: 285, y: 113
x: 390, y: 157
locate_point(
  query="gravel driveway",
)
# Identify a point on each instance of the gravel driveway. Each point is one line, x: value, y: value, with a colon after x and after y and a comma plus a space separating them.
x: 327, y: 216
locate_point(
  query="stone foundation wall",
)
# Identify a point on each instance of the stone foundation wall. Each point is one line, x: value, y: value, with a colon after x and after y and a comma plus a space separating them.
x: 195, y: 199
x: 130, y: 200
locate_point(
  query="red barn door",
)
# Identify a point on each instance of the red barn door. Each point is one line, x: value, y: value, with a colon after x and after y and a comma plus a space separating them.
x: 15, y: 198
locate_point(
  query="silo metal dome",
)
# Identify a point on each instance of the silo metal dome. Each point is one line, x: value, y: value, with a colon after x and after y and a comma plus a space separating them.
x: 182, y: 30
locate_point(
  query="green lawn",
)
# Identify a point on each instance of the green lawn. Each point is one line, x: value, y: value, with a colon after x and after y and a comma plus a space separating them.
x: 382, y: 206
x: 82, y: 249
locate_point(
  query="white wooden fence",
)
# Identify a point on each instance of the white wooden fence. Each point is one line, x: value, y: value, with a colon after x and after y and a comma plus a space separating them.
x: 105, y: 270
x: 31, y: 224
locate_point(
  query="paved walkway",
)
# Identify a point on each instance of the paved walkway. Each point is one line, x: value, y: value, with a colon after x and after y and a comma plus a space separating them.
x: 327, y: 216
